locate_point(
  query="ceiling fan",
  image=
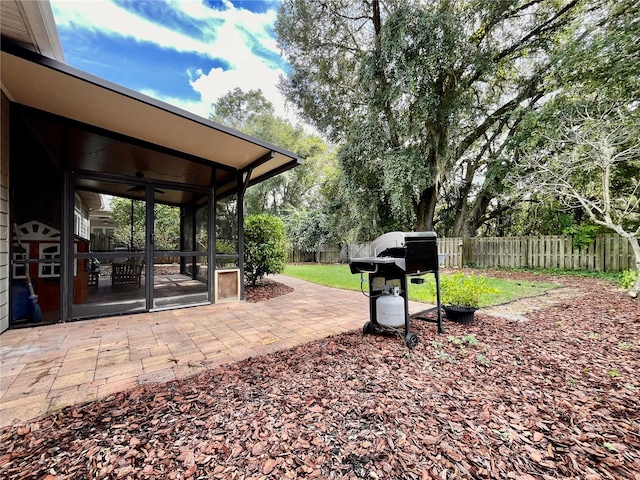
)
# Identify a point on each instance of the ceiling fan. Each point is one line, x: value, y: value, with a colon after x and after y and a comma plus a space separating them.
x: 141, y: 188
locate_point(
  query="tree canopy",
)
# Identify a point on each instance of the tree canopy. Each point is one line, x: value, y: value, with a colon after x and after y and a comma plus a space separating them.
x: 419, y: 91
x: 432, y: 106
x: 167, y: 224
x: 300, y: 196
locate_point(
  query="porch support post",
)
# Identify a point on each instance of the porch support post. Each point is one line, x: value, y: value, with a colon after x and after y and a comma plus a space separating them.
x: 66, y: 236
x: 194, y: 239
x: 242, y: 186
x: 149, y: 245
x: 211, y: 241
x: 183, y: 214
x: 66, y: 248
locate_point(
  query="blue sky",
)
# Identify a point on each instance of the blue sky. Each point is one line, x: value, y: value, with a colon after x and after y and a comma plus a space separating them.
x: 183, y: 52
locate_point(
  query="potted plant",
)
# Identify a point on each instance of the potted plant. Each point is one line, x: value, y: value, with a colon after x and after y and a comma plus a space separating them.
x: 461, y: 294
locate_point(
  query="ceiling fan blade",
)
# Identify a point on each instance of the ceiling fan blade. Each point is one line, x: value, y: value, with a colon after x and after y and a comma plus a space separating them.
x: 137, y: 188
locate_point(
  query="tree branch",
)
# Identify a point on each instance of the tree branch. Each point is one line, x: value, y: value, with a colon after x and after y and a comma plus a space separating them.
x: 528, y: 92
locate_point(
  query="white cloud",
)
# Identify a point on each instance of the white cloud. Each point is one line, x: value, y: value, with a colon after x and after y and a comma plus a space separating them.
x: 199, y: 108
x: 228, y: 41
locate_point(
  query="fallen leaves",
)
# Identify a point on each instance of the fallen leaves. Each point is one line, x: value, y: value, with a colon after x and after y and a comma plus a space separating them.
x: 354, y: 406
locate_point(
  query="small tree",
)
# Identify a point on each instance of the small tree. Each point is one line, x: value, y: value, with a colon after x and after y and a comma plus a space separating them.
x: 265, y: 246
x: 593, y: 164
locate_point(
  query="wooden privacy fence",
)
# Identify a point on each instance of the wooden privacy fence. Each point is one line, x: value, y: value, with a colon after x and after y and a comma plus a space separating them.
x: 607, y: 253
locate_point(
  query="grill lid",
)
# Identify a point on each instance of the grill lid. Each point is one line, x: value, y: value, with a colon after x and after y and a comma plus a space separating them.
x: 410, y: 252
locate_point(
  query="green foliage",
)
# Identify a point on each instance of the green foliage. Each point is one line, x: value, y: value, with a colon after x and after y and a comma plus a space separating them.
x: 166, y: 218
x: 583, y: 234
x: 504, y: 436
x: 589, y: 162
x: 464, y: 290
x: 309, y: 228
x: 121, y: 213
x: 238, y: 109
x: 628, y: 279
x: 482, y: 360
x: 265, y: 246
x: 225, y: 247
x: 609, y: 447
x: 625, y: 345
x: 422, y: 96
x: 603, y: 59
x: 253, y: 114
x: 431, y: 98
x: 469, y: 339
x: 303, y: 197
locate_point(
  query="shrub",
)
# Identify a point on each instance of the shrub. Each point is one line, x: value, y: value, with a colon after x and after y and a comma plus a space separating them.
x: 628, y: 279
x: 225, y: 247
x: 265, y: 246
x: 463, y: 290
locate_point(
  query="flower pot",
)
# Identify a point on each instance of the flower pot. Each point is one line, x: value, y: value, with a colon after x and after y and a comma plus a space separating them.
x: 460, y: 314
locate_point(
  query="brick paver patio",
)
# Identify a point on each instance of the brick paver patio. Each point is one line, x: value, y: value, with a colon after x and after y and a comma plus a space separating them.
x: 48, y: 368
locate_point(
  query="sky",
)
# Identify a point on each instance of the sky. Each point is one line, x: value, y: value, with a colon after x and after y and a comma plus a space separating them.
x: 183, y: 52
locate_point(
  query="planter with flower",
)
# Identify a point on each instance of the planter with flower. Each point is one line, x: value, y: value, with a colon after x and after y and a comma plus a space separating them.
x: 461, y: 295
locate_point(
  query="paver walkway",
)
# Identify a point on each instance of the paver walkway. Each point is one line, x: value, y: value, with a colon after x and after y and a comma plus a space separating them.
x: 45, y: 369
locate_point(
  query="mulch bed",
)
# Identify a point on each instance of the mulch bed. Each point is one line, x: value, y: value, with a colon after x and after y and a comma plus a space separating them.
x: 553, y: 397
x: 264, y: 290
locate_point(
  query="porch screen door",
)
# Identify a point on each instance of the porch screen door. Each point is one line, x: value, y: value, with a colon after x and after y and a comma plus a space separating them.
x: 180, y: 250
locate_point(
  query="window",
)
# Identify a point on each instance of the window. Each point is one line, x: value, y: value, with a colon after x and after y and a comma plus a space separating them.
x: 81, y: 223
x: 20, y: 253
x: 49, y: 252
x: 51, y: 268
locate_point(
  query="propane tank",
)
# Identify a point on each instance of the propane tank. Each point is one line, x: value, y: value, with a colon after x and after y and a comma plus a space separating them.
x: 390, y: 308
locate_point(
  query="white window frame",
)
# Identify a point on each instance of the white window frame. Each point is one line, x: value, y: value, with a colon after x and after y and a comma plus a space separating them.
x: 51, y: 269
x: 20, y: 270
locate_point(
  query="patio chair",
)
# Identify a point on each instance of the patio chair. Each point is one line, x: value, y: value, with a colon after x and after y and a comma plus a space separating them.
x: 127, y: 273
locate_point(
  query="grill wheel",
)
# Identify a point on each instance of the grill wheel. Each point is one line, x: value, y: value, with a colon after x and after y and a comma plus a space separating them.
x: 411, y: 340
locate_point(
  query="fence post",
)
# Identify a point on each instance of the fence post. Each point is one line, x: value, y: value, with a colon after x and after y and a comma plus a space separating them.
x: 600, y: 251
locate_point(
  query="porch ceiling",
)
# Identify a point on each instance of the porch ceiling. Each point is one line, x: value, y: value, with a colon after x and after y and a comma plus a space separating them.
x: 39, y: 82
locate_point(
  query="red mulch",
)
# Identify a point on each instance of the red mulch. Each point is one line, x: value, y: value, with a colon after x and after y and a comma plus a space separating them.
x: 557, y: 396
x: 264, y: 290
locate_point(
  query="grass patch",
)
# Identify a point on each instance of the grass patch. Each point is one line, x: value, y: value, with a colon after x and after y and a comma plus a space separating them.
x: 339, y: 276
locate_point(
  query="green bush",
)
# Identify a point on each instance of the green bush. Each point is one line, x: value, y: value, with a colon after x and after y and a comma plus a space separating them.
x: 265, y: 246
x: 583, y: 234
x: 226, y: 247
x: 628, y: 279
x: 462, y: 290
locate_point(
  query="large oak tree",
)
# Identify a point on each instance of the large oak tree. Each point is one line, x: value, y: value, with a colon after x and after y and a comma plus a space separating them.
x: 417, y: 90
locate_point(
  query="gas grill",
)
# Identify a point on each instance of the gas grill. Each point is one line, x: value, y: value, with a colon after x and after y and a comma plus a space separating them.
x: 392, y: 257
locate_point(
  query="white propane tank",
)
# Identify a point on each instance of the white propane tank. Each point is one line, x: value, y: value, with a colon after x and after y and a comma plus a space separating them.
x: 390, y: 309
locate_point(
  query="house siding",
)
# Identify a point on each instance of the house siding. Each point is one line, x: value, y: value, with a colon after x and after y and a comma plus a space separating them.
x: 5, y: 230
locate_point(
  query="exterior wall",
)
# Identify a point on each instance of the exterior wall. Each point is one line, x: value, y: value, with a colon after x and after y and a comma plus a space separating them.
x: 5, y: 229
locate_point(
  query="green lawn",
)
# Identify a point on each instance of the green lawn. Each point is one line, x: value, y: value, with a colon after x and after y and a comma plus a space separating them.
x: 340, y: 276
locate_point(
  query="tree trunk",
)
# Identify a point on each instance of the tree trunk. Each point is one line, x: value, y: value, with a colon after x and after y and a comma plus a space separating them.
x: 469, y: 220
x: 425, y: 209
x: 477, y: 216
x: 459, y: 224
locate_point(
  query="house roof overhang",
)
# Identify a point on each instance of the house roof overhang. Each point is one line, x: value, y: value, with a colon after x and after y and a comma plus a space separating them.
x: 31, y: 25
x: 50, y: 86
